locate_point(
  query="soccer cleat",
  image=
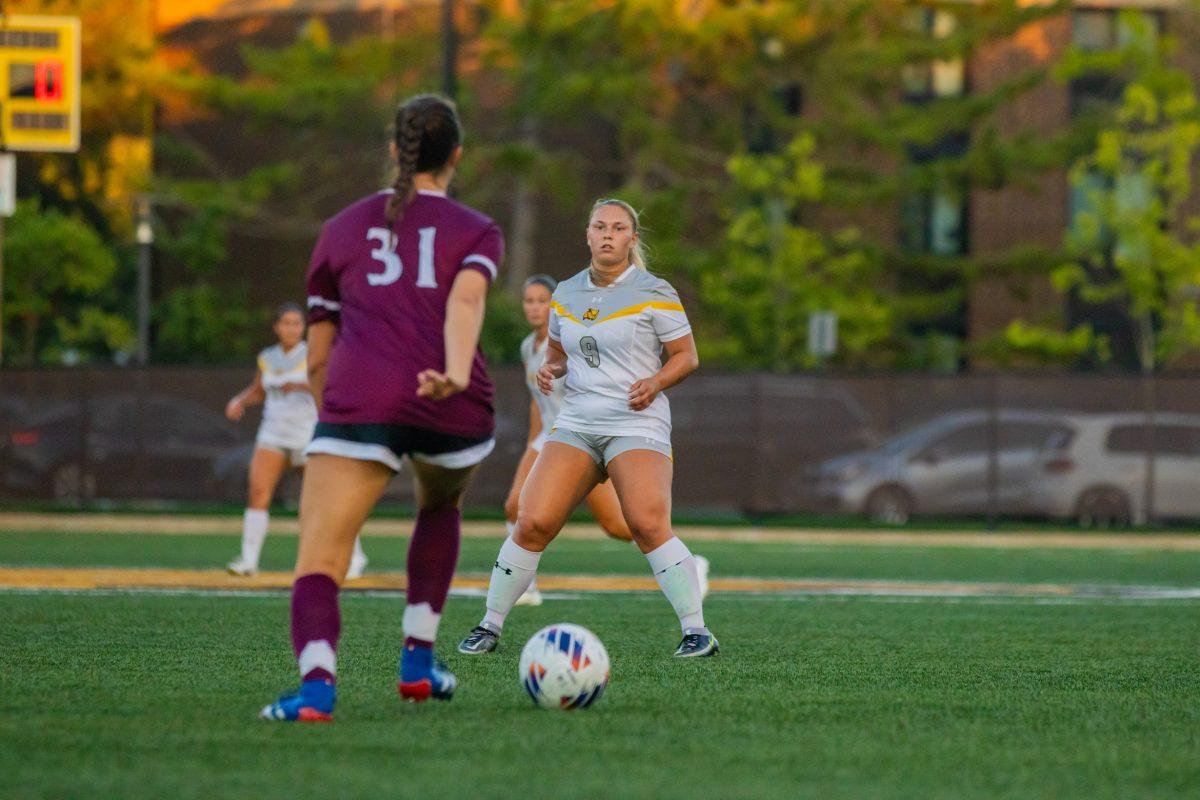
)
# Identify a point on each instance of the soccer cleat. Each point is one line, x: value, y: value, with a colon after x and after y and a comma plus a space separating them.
x: 241, y: 568
x: 312, y: 702
x: 532, y: 597
x: 479, y: 640
x: 697, y: 645
x: 422, y: 676
x: 702, y: 566
x: 357, y: 567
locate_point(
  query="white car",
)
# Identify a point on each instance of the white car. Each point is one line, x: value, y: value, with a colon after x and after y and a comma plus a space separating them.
x: 1096, y: 469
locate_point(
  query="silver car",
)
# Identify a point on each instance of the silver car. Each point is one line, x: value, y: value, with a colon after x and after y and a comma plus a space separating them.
x: 943, y: 466
x: 1098, y: 472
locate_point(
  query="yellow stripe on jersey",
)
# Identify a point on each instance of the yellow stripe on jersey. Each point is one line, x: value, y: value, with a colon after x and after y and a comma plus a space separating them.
x: 640, y: 307
x: 562, y: 312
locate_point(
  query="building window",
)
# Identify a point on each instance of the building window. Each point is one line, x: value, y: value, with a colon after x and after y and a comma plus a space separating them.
x: 1095, y: 30
x: 937, y: 79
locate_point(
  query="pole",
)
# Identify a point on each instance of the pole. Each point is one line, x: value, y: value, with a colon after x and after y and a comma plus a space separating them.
x: 449, y: 51
x: 145, y: 240
x: 1, y: 288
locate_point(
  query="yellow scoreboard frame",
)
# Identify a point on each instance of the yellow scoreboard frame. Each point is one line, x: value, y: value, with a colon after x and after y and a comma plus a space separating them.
x: 39, y: 83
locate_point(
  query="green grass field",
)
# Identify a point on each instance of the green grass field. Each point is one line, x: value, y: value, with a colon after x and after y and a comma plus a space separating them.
x: 115, y: 694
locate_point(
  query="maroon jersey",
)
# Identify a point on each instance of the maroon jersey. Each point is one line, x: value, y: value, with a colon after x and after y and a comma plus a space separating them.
x: 387, y: 294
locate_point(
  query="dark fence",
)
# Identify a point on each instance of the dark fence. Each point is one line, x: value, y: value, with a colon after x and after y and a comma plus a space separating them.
x: 1101, y: 448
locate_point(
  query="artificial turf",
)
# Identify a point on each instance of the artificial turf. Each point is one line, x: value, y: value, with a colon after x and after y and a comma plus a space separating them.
x: 154, y: 695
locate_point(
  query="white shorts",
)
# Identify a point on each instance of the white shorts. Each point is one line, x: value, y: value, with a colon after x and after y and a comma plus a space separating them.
x: 293, y: 453
x: 537, y: 444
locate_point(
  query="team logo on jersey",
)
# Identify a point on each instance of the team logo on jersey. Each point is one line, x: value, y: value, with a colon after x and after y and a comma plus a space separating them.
x: 591, y: 314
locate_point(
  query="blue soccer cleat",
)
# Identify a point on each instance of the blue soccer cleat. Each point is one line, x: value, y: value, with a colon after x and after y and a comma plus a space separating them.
x: 312, y: 702
x: 422, y: 676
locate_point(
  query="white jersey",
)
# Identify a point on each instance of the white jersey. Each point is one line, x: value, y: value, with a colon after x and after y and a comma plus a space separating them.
x: 288, y: 417
x: 533, y: 356
x: 613, y: 336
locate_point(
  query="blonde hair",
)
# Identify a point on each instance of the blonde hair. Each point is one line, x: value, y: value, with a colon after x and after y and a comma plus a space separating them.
x: 638, y: 256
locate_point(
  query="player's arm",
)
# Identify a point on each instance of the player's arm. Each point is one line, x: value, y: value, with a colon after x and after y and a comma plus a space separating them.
x: 464, y: 321
x: 554, y: 367
x: 682, y: 360
x: 252, y: 395
x: 320, y: 343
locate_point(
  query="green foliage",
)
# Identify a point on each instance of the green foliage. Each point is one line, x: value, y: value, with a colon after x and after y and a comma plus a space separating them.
x: 201, y: 322
x: 775, y: 272
x: 1133, y: 242
x: 504, y: 327
x: 58, y: 288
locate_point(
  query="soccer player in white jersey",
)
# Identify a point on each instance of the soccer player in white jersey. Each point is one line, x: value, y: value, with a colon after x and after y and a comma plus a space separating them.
x: 289, y: 416
x: 543, y: 410
x: 609, y: 326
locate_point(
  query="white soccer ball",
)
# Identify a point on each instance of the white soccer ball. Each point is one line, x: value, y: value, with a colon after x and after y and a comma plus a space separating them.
x: 564, y: 666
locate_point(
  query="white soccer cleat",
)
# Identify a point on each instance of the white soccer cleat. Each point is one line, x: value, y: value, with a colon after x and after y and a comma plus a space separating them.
x: 532, y: 597
x: 702, y: 572
x: 241, y: 568
x: 357, y: 567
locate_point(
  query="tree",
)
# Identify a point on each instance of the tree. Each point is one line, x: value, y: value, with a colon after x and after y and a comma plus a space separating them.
x: 57, y: 267
x: 1133, y: 244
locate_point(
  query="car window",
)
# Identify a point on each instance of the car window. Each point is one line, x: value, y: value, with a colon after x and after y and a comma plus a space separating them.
x: 1169, y: 440
x: 1032, y: 435
x: 969, y: 440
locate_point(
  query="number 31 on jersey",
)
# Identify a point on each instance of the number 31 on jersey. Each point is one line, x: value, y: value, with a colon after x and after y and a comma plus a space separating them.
x: 393, y: 267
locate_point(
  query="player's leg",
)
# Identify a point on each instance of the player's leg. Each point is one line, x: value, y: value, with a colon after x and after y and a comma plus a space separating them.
x: 642, y: 480
x: 606, y: 509
x: 432, y: 557
x: 602, y: 502
x: 561, y: 477
x: 531, y: 597
x: 337, y: 495
x: 358, y: 558
x: 267, y: 466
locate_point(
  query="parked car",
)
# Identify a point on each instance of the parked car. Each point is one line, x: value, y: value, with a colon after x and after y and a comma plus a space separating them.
x: 943, y: 467
x: 159, y: 446
x: 1096, y: 473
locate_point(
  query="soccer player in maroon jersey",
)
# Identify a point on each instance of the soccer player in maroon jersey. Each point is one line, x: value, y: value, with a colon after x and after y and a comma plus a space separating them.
x: 396, y: 291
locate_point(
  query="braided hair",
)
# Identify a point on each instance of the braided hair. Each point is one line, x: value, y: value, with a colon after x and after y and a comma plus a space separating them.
x: 427, y: 134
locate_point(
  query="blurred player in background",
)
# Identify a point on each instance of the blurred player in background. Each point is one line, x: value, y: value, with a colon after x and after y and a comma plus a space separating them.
x: 289, y: 415
x: 396, y: 287
x: 543, y: 409
x: 609, y: 325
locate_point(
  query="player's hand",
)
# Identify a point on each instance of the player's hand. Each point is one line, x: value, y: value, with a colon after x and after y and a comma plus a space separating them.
x: 547, y: 374
x: 235, y: 409
x: 436, y: 385
x: 643, y: 392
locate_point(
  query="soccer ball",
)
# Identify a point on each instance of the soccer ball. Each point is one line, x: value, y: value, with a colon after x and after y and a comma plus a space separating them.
x: 564, y: 666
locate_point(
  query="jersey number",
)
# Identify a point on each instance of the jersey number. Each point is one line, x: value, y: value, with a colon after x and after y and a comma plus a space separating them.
x: 385, y: 254
x: 591, y: 351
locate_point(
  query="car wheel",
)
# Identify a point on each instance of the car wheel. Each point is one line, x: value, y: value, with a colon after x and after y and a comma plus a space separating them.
x: 71, y: 482
x: 889, y: 505
x: 1103, y: 507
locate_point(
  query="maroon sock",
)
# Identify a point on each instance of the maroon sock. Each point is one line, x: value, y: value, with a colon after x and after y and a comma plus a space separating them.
x: 432, y: 557
x: 315, y: 618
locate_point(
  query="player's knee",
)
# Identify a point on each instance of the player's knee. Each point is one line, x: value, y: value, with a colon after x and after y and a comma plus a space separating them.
x: 260, y: 497
x: 649, y: 526
x: 616, y: 528
x: 510, y: 508
x: 535, y: 529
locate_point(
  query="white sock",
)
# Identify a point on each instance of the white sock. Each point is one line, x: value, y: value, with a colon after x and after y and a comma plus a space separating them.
x: 511, y: 527
x: 675, y: 570
x: 514, y: 570
x: 421, y: 622
x: 358, y: 555
x: 254, y: 533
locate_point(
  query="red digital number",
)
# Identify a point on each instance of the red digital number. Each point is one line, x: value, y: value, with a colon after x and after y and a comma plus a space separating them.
x: 48, y: 83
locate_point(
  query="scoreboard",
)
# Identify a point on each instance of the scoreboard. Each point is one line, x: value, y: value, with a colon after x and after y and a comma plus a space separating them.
x: 39, y: 83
